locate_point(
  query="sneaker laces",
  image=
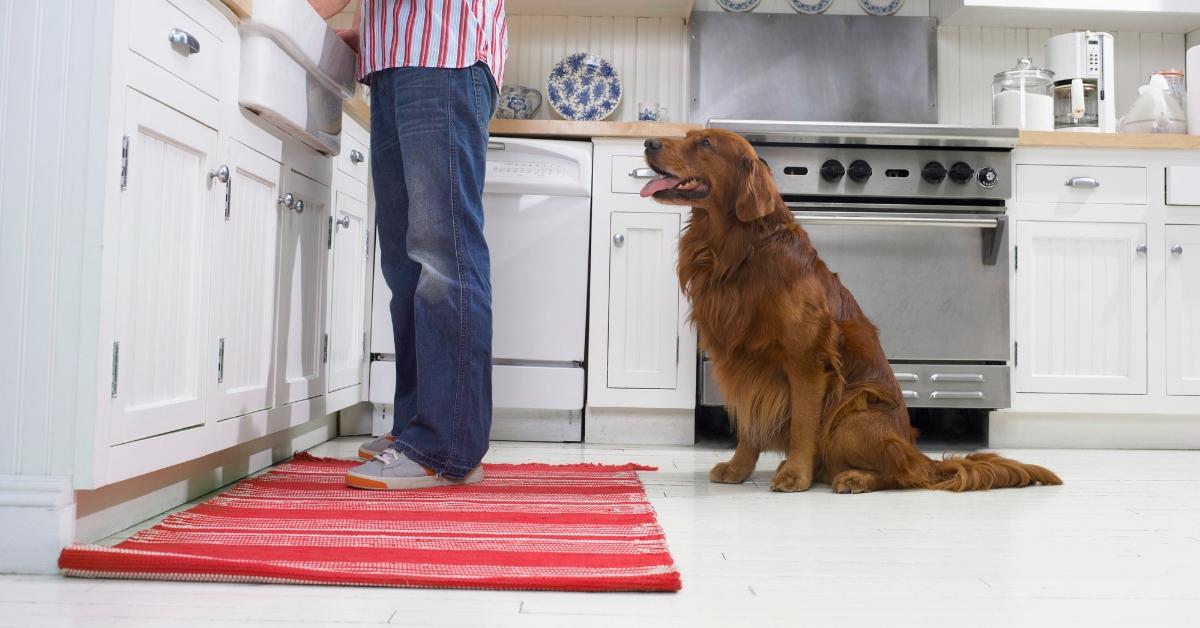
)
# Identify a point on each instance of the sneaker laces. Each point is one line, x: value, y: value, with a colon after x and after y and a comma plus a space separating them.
x: 388, y: 456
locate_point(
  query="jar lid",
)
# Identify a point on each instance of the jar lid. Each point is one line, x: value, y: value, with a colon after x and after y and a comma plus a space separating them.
x: 1024, y: 72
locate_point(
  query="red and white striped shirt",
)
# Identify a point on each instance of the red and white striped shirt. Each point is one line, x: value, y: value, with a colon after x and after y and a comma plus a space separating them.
x: 432, y: 34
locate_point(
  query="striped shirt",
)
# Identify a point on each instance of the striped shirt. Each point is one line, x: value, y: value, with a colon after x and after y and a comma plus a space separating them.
x: 432, y: 34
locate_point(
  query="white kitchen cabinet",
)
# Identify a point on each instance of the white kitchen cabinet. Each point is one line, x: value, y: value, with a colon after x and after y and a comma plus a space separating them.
x: 160, y: 360
x: 243, y: 296
x: 303, y: 242
x: 1183, y: 309
x: 349, y: 267
x: 1081, y: 308
x: 643, y: 301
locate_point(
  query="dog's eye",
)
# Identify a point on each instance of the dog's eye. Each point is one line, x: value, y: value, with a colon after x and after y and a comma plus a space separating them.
x: 704, y: 143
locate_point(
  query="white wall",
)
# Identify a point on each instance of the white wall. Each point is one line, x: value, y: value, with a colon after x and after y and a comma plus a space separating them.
x: 968, y: 57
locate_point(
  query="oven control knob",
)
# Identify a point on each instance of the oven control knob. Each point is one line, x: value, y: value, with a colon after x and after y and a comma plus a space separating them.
x: 859, y: 171
x: 933, y: 172
x: 988, y: 177
x: 961, y: 172
x: 832, y: 170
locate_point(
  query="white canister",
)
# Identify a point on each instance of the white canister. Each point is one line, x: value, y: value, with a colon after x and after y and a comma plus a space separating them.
x: 1021, y: 97
x: 1192, y: 80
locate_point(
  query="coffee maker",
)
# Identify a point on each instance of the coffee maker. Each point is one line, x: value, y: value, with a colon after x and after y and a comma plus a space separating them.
x: 1084, y: 85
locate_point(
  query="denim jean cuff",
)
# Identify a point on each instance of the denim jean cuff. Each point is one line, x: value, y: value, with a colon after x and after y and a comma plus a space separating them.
x: 454, y: 471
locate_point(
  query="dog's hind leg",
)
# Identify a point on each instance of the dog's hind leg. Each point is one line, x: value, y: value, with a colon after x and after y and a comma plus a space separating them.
x: 745, y: 457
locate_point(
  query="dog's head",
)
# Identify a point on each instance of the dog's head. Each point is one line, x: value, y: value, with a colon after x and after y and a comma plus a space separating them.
x: 711, y: 169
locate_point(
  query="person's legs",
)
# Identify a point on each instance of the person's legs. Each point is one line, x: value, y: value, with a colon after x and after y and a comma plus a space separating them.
x: 440, y: 117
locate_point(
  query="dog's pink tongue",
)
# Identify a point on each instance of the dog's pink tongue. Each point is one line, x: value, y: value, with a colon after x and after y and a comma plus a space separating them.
x: 659, y: 184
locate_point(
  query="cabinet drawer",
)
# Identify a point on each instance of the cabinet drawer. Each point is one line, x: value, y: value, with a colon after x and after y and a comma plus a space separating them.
x: 1183, y: 185
x: 354, y: 159
x: 630, y: 174
x: 154, y: 23
x: 1124, y: 185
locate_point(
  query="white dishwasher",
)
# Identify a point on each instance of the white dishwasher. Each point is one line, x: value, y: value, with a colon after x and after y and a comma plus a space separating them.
x: 537, y: 216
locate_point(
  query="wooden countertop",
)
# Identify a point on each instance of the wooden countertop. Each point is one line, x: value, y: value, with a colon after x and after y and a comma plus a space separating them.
x: 240, y: 8
x: 1144, y: 141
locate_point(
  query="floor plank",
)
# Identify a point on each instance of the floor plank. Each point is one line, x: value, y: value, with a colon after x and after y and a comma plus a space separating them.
x: 1118, y: 544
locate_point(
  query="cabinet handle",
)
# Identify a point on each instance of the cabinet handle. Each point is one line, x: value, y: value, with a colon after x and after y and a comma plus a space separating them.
x: 356, y: 157
x: 1141, y: 249
x: 343, y: 222
x: 643, y: 173
x: 183, y: 38
x: 1082, y: 182
x: 220, y: 174
x: 496, y: 146
x: 287, y: 200
x: 952, y: 394
x: 619, y: 239
x: 1177, y: 249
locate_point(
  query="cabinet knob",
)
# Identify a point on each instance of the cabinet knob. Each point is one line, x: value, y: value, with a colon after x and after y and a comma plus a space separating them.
x: 619, y: 239
x: 1141, y: 249
x: 287, y: 200
x: 183, y: 38
x: 298, y: 207
x: 356, y: 157
x: 343, y: 222
x: 220, y: 174
x: 1177, y: 249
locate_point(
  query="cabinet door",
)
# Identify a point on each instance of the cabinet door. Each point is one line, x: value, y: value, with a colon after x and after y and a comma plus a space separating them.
x: 643, y: 301
x: 243, y: 301
x: 1183, y: 309
x: 161, y: 361
x: 347, y: 292
x: 1081, y: 308
x: 300, y: 341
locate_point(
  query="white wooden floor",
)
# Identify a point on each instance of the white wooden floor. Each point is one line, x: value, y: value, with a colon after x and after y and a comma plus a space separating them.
x: 1117, y: 545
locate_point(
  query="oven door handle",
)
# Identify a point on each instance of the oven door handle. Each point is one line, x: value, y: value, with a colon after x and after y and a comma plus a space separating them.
x: 991, y: 227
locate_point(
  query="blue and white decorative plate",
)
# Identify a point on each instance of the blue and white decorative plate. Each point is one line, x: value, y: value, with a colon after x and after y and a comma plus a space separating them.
x: 737, y: 6
x: 881, y: 7
x: 583, y: 86
x: 819, y: 6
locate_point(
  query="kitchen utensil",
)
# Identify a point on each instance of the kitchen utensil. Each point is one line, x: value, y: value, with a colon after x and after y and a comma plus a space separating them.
x: 1084, y: 81
x: 1023, y: 97
x: 584, y: 86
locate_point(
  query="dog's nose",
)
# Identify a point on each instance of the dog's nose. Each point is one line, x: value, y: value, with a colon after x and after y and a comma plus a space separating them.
x: 653, y: 145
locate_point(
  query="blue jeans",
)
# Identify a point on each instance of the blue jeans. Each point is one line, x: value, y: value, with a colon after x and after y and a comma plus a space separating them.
x: 429, y: 138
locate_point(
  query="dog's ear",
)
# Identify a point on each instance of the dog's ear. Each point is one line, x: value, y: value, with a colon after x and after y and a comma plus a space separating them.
x: 753, y: 200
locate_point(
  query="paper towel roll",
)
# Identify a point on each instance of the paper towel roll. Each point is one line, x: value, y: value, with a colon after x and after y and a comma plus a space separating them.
x: 1192, y: 82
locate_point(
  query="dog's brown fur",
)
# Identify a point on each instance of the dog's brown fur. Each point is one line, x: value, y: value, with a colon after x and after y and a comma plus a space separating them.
x: 799, y: 363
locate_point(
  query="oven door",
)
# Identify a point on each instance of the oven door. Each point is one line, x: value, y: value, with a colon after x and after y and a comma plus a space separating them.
x: 936, y: 284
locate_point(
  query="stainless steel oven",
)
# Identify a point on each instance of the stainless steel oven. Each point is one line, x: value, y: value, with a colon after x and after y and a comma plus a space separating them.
x: 912, y: 219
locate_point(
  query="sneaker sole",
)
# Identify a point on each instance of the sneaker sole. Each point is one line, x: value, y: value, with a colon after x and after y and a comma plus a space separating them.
x: 367, y: 454
x: 373, y: 483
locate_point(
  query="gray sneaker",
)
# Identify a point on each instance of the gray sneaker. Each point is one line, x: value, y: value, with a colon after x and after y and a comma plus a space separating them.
x: 393, y: 471
x: 373, y: 448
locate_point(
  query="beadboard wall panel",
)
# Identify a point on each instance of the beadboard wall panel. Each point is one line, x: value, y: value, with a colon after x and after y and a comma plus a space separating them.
x: 49, y: 200
x: 649, y: 54
x: 968, y: 57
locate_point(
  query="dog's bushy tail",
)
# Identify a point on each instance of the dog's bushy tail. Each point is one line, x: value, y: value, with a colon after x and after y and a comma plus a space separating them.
x: 973, y: 472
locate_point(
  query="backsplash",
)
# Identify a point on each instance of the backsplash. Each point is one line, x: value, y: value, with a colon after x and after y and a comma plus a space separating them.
x: 968, y: 56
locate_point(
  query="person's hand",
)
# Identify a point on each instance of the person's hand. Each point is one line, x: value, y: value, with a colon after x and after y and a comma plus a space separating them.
x: 350, y: 36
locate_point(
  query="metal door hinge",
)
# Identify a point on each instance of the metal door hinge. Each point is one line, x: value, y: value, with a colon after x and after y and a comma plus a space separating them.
x: 367, y: 243
x: 1016, y: 258
x: 221, y: 361
x: 677, y: 349
x: 325, y: 350
x: 124, y: 162
x: 364, y: 343
x: 329, y: 236
x: 116, y: 353
x: 1016, y: 354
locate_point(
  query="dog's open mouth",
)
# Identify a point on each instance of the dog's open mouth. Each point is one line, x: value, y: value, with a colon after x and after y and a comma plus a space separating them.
x: 667, y: 186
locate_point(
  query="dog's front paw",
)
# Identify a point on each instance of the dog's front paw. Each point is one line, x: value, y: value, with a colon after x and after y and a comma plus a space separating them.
x: 725, y: 473
x: 853, y: 482
x: 790, y: 480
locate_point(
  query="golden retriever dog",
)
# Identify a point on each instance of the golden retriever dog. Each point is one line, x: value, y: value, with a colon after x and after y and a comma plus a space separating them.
x: 799, y: 363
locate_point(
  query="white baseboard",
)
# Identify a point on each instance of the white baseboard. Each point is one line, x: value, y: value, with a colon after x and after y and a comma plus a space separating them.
x: 1008, y: 429
x: 110, y: 509
x: 37, y: 518
x: 627, y: 426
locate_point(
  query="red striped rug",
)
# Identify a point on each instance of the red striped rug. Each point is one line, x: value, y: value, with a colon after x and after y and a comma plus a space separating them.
x: 526, y: 526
